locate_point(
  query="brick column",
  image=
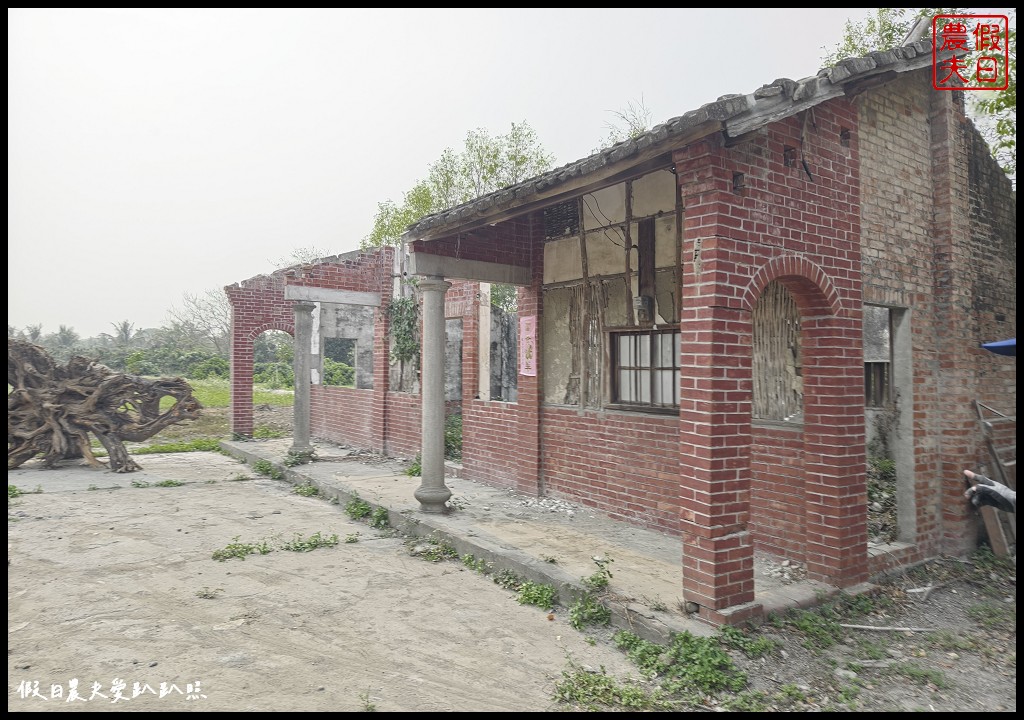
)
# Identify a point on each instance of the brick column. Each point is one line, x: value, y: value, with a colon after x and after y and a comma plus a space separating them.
x: 241, y: 379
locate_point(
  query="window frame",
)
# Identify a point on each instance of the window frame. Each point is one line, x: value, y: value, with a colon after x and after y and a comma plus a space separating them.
x: 646, y: 373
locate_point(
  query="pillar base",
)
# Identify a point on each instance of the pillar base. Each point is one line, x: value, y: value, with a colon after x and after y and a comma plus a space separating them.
x: 432, y: 499
x: 303, y: 454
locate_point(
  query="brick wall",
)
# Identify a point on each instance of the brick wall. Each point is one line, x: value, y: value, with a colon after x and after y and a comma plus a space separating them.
x: 939, y: 238
x: 777, y: 498
x: 258, y: 304
x: 752, y: 217
x: 342, y: 415
x: 625, y: 464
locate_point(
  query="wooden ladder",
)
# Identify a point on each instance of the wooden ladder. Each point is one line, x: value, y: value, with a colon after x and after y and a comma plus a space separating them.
x: 1000, y: 434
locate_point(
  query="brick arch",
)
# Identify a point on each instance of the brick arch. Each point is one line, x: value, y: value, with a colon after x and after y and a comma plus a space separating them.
x: 283, y: 327
x: 815, y: 473
x: 810, y: 285
x: 257, y: 305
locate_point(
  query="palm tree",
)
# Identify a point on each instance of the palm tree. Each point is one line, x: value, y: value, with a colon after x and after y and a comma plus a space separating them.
x: 124, y: 334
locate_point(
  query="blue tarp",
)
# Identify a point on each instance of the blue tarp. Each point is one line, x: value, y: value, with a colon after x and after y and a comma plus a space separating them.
x: 1002, y: 347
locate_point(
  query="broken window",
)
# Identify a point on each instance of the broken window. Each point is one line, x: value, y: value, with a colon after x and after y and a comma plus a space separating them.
x: 877, y: 356
x: 776, y: 364
x: 645, y: 369
x: 339, y: 359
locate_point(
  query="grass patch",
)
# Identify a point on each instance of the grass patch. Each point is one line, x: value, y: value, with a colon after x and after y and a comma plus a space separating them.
x: 584, y: 690
x: 920, y: 675
x: 588, y: 610
x: 241, y: 550
x: 265, y: 432
x: 357, y: 508
x: 994, y: 615
x: 543, y: 596
x: 169, y: 483
x: 216, y: 393
x: 314, y: 541
x: 197, y: 445
x: 379, y: 518
x: 306, y: 489
x: 688, y: 664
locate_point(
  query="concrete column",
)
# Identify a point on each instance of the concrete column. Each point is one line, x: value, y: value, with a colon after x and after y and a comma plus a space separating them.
x: 301, y: 364
x: 432, y: 493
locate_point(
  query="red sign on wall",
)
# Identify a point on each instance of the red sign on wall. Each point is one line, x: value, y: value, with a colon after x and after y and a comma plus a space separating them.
x: 528, y: 345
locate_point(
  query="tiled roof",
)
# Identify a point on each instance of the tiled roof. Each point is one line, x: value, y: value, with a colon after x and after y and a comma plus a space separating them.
x: 738, y: 114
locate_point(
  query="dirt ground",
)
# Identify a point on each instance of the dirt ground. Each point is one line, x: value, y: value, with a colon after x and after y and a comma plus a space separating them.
x: 112, y: 583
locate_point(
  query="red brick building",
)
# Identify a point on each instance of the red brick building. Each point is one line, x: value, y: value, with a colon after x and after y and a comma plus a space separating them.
x: 726, y: 316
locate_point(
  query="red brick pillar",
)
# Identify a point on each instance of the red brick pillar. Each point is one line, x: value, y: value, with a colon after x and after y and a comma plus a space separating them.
x: 835, y: 485
x: 530, y: 234
x: 714, y: 419
x: 241, y: 381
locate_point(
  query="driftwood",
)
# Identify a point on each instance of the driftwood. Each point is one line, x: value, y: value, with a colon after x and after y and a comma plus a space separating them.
x: 52, y: 408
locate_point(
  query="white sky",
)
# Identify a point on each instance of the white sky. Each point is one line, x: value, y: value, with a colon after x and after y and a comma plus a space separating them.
x: 157, y: 151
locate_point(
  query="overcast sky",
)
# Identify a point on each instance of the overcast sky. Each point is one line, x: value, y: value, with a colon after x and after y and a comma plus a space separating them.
x: 153, y: 152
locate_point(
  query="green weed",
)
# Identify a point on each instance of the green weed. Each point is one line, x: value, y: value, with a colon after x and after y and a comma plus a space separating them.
x: 477, y: 564
x: 587, y: 610
x: 689, y: 663
x: 600, y: 579
x: 379, y: 518
x: 539, y: 594
x: 240, y: 550
x: 314, y: 541
x: 747, y: 701
x: 265, y: 467
x: 357, y: 508
x: 169, y: 483
x: 584, y: 690
x: 416, y: 468
x: 432, y: 549
x: 739, y: 640
x: 264, y: 432
x: 507, y: 579
x: 306, y: 489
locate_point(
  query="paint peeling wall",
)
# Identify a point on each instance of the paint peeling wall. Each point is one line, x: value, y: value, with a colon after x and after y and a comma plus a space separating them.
x: 353, y: 322
x: 592, y: 276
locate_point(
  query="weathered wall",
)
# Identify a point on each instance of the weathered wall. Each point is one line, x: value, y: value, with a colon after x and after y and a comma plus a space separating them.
x: 752, y: 217
x: 939, y: 237
x: 343, y: 415
x: 354, y: 322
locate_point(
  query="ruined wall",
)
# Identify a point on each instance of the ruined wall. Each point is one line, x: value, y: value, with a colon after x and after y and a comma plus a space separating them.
x: 501, y: 440
x: 939, y: 237
x: 257, y: 305
x: 343, y: 415
x: 779, y: 204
